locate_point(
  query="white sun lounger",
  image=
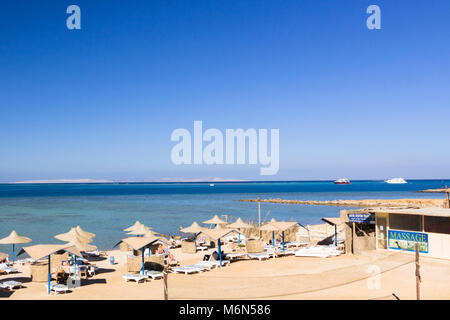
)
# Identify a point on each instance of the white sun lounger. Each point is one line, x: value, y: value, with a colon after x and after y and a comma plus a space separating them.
x: 58, y: 288
x: 185, y: 270
x: 135, y: 277
x: 9, y: 270
x: 154, y: 274
x: 202, y: 248
x: 234, y: 255
x: 213, y: 263
x: 11, y: 284
x: 259, y: 256
x: 199, y: 266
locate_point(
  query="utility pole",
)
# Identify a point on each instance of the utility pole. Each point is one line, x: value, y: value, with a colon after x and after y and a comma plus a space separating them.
x: 447, y: 193
x: 259, y: 212
x: 417, y: 273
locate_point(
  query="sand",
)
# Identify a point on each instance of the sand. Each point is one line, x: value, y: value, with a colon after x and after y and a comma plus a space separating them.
x: 342, y: 277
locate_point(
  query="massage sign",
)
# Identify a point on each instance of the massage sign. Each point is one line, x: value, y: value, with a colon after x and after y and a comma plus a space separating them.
x: 404, y: 240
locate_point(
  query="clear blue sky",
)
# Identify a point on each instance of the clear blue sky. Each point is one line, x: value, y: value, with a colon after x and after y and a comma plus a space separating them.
x: 101, y: 102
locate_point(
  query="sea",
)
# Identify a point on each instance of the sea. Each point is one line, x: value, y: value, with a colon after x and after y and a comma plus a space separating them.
x: 40, y: 211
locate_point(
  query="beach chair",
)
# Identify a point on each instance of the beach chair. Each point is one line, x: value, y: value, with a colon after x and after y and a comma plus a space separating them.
x: 184, y: 270
x: 259, y: 256
x: 202, y: 248
x: 135, y: 277
x: 58, y: 288
x: 11, y: 284
x: 234, y: 255
x: 154, y: 274
x: 201, y: 267
x: 7, y: 269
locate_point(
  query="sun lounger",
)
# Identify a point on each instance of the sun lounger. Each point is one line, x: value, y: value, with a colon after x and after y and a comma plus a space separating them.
x: 234, y: 255
x: 202, y: 267
x: 135, y: 277
x: 202, y: 248
x: 11, y: 284
x: 9, y: 270
x: 214, y: 263
x: 58, y: 288
x: 154, y: 274
x: 185, y: 270
x: 317, y: 251
x: 259, y: 256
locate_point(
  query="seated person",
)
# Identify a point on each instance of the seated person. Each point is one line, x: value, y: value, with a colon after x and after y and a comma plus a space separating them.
x: 160, y: 249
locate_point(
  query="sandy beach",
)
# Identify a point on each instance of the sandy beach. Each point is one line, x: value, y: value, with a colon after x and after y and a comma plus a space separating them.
x: 342, y: 277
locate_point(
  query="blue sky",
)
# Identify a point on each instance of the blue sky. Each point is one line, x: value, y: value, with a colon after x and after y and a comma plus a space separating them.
x: 102, y: 102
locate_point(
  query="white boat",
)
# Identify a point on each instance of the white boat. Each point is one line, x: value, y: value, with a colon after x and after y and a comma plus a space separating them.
x: 211, y: 184
x: 342, y: 181
x: 396, y: 181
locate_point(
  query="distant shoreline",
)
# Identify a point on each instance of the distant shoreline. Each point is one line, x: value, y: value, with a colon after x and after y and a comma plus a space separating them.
x: 199, y: 180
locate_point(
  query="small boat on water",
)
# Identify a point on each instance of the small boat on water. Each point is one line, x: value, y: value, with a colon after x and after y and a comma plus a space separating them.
x: 211, y: 184
x: 396, y: 181
x: 342, y: 181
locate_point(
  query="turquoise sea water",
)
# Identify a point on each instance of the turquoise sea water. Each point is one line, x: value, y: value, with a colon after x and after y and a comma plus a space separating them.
x: 41, y: 211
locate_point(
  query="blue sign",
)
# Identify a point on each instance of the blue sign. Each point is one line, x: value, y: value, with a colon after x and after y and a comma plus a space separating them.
x: 406, y: 240
x: 361, y: 218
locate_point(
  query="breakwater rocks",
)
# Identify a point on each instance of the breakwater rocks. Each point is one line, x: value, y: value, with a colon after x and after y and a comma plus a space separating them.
x: 442, y: 190
x: 361, y: 203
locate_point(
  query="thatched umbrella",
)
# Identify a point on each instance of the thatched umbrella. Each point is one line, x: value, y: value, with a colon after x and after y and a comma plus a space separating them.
x: 139, y: 230
x: 218, y: 233
x: 140, y: 243
x: 270, y: 227
x: 134, y: 226
x: 40, y: 251
x: 239, y: 224
x: 3, y: 255
x: 84, y: 233
x: 193, y: 228
x: 14, y: 238
x: 281, y: 226
x: 215, y: 220
x: 73, y: 234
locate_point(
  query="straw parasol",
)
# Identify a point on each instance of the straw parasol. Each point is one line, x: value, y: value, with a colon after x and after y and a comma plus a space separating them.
x: 193, y: 228
x: 14, y: 238
x: 151, y: 234
x: 134, y: 226
x: 40, y: 251
x: 140, y: 243
x: 215, y: 220
x: 239, y: 224
x: 270, y: 227
x: 82, y: 246
x: 139, y: 230
x: 282, y: 226
x: 73, y: 234
x: 3, y: 255
x: 84, y: 233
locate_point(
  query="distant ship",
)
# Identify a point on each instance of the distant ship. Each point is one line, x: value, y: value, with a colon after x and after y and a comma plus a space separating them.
x: 396, y: 181
x: 342, y: 181
x: 211, y: 184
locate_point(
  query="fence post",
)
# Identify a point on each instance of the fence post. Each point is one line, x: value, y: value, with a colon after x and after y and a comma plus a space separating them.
x: 166, y: 289
x: 417, y: 272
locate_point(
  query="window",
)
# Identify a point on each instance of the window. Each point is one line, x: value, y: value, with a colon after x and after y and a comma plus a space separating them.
x: 407, y: 222
x: 437, y: 224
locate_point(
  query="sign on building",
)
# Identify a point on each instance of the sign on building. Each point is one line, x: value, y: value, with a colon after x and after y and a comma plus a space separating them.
x: 361, y: 218
x: 406, y: 240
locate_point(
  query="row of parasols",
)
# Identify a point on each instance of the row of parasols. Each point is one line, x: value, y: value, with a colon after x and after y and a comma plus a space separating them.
x: 75, y: 237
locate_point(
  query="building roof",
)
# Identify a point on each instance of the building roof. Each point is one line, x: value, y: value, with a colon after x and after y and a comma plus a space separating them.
x: 332, y: 221
x: 428, y: 211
